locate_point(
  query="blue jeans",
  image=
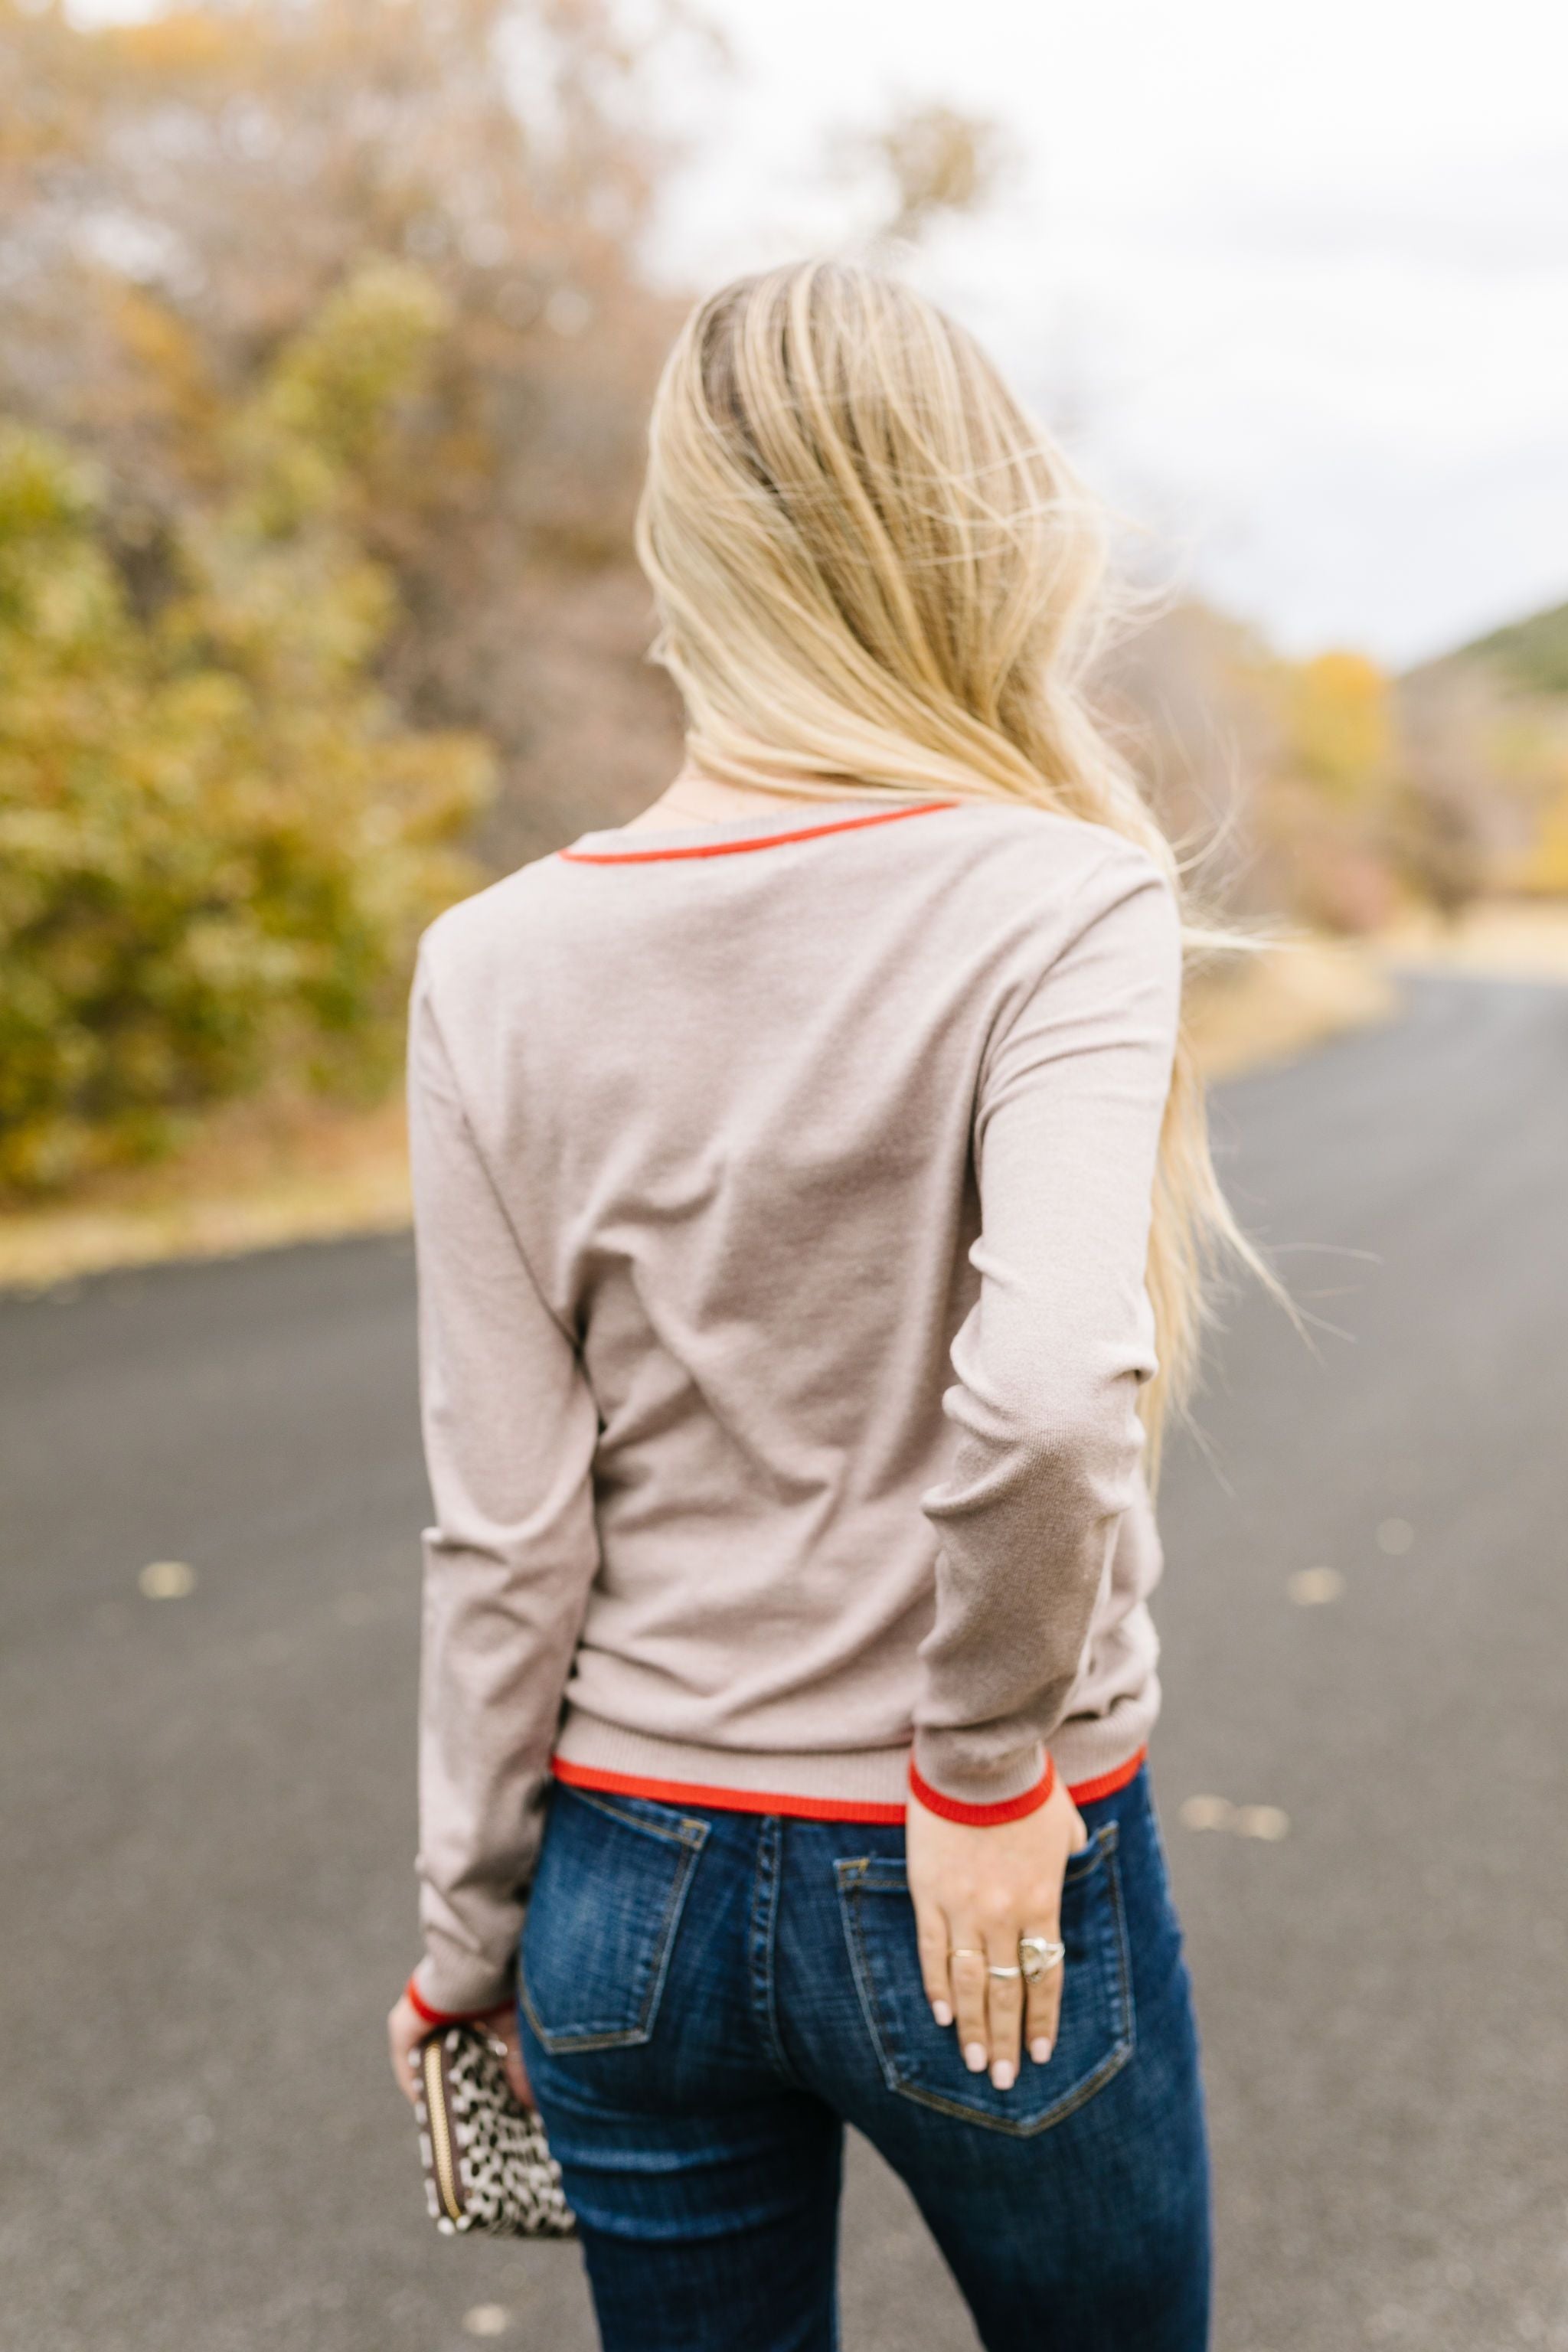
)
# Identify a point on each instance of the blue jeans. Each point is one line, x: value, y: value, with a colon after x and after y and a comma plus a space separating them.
x: 708, y: 1998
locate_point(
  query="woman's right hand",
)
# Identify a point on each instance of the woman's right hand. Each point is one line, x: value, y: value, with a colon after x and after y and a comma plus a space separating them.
x: 405, y: 2030
x: 976, y: 1891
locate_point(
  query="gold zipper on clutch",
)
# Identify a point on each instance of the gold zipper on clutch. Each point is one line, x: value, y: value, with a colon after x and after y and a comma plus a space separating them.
x: 440, y: 2138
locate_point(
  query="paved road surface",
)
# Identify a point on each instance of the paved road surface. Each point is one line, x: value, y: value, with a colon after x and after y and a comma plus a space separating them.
x: 205, y: 1869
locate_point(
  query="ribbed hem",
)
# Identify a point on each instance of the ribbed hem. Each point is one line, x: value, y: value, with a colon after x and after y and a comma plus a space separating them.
x: 1090, y: 1792
x: 1093, y: 1754
x: 874, y: 1776
x: 722, y: 1801
x: 1089, y: 1748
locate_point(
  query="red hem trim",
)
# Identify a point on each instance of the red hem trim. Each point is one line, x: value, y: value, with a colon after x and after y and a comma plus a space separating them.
x: 834, y: 1809
x: 762, y: 841
x: 984, y: 1817
x: 429, y: 2016
x: 722, y: 1800
x: 1106, y: 1784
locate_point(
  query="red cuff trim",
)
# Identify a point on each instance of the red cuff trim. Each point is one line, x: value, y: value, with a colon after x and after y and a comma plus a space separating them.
x: 984, y: 1817
x: 423, y: 2009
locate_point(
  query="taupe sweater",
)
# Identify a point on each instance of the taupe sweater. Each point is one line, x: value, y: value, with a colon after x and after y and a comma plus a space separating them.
x: 783, y: 1196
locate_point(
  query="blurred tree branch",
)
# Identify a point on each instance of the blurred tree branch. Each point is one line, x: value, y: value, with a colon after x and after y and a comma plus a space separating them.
x: 928, y: 160
x: 181, y: 197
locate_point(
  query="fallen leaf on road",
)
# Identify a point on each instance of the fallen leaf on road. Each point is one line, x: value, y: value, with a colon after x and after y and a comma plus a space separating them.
x: 167, y: 1580
x: 1262, y: 1822
x: 1267, y: 1822
x: 1207, y: 1813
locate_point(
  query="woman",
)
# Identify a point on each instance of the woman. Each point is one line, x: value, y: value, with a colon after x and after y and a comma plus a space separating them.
x: 811, y: 1192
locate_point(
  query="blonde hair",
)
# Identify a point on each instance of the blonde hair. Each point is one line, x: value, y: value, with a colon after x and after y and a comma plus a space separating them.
x: 872, y: 569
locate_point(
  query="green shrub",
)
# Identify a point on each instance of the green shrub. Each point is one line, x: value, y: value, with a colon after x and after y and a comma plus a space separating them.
x: 217, y: 842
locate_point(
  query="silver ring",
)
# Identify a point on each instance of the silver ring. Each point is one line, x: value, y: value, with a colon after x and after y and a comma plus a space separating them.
x: 1004, y: 1972
x: 1039, y: 1956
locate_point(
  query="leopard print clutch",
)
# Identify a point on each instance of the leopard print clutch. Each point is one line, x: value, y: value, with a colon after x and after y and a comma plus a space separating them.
x: 487, y: 2163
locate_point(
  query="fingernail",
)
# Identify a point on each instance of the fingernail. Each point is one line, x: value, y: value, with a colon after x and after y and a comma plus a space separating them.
x: 1040, y: 2051
x: 1003, y: 2075
x: 974, y: 2057
x: 941, y: 2012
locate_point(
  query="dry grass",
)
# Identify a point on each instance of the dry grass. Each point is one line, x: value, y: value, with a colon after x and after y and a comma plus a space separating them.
x: 1506, y: 938
x: 1287, y: 1001
x: 261, y: 1175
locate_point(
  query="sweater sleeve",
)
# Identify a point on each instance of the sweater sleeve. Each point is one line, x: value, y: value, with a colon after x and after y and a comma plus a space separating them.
x: 510, y: 1428
x: 1049, y: 1362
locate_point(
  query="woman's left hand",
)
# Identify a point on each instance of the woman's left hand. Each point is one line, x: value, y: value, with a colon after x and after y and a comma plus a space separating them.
x: 405, y: 2030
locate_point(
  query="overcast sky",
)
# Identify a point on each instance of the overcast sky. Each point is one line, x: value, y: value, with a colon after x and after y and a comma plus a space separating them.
x: 1299, y: 278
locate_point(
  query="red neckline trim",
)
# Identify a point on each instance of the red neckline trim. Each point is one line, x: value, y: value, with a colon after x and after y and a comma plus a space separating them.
x: 761, y: 841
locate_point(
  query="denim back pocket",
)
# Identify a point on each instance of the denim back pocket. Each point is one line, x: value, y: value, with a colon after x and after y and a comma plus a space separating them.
x: 613, y: 1876
x: 921, y: 2059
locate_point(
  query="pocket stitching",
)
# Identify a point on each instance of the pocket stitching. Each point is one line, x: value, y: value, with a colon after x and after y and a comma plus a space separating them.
x: 692, y: 1836
x: 852, y: 1877
x: 1104, y: 1841
x: 686, y: 1831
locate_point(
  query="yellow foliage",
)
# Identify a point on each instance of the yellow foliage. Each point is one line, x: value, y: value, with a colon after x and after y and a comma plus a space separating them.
x: 217, y: 842
x: 181, y: 42
x: 1546, y: 868
x: 168, y: 359
x: 1340, y: 715
x: 318, y: 419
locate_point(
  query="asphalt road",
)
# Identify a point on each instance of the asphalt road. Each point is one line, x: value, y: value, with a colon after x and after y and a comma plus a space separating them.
x: 205, y: 1884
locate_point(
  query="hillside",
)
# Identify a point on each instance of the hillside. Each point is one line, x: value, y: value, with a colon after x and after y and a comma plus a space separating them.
x: 1532, y: 652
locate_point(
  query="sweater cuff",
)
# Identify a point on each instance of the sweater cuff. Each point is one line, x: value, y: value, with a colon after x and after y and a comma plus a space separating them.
x: 990, y: 1812
x: 434, y: 2015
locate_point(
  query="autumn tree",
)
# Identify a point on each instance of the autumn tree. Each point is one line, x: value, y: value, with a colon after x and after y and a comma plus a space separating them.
x: 926, y: 162
x: 217, y: 839
x: 181, y: 197
x: 324, y: 367
x: 1488, y: 751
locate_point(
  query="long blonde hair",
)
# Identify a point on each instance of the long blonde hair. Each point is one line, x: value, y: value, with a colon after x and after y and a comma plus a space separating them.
x: 873, y: 570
